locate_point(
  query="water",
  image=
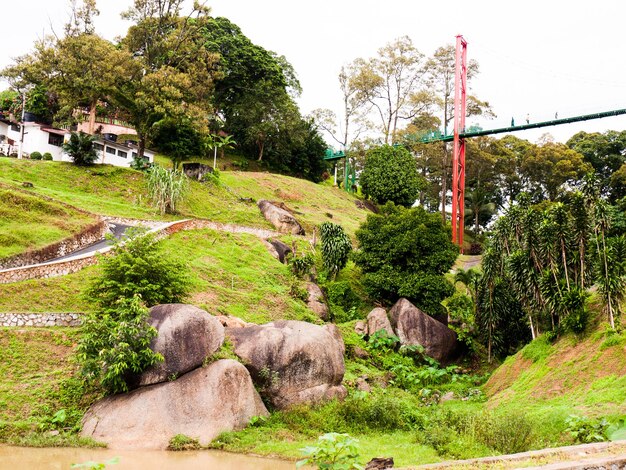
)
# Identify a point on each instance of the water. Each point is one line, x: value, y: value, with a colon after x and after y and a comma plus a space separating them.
x: 29, y: 458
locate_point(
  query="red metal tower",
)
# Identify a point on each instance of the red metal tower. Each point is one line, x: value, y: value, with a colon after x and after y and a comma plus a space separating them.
x: 458, y: 156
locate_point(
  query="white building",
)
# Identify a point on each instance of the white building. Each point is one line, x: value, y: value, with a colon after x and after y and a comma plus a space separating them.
x: 43, y: 138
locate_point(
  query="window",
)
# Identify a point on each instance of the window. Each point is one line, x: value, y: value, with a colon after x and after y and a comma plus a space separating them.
x: 56, y: 140
x: 98, y: 147
x: 134, y: 154
x: 15, y: 127
x: 110, y: 150
x: 122, y: 154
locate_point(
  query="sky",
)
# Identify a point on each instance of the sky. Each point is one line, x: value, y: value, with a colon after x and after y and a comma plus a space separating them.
x: 536, y: 57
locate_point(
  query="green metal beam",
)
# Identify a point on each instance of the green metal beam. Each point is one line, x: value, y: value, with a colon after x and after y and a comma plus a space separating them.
x: 534, y: 125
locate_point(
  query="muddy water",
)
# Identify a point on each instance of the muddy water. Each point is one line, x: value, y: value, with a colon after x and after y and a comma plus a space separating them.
x: 28, y: 458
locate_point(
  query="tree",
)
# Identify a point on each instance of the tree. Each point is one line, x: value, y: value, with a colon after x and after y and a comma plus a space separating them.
x: 179, y: 140
x: 138, y: 266
x: 80, y: 148
x: 551, y: 166
x: 392, y: 83
x: 405, y: 253
x: 390, y: 174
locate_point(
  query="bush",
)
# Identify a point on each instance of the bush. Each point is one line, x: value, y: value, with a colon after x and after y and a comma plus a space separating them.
x: 301, y: 265
x: 36, y: 156
x: 584, y: 430
x: 333, y: 451
x: 390, y: 174
x: 405, y: 253
x: 336, y: 247
x: 138, y: 267
x: 116, y: 344
x: 47, y: 156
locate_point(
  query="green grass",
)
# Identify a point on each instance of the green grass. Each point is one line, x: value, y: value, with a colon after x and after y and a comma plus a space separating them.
x: 28, y: 222
x: 231, y: 274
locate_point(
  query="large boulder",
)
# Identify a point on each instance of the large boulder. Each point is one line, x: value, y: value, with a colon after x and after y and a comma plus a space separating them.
x: 292, y: 361
x: 201, y: 404
x: 186, y: 336
x: 315, y: 301
x: 281, y: 250
x: 280, y: 218
x: 415, y: 327
x: 377, y: 320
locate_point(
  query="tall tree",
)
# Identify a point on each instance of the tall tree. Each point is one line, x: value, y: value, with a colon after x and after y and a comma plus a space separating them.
x: 393, y: 84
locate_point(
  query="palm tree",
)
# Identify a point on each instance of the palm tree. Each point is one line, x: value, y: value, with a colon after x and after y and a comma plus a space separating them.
x: 80, y: 148
x: 478, y: 208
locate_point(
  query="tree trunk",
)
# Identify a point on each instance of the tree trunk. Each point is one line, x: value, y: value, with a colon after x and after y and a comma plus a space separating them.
x: 444, y: 183
x: 261, y: 144
x: 92, y: 118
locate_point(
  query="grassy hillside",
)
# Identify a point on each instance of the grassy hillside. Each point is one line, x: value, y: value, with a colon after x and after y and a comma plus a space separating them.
x: 122, y: 192
x: 28, y: 222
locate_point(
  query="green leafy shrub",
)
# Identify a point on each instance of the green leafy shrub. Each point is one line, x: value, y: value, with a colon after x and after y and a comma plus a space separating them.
x: 334, y: 451
x: 116, y: 344
x: 138, y: 266
x: 181, y: 442
x: 585, y: 430
x: 47, y: 156
x: 301, y: 265
x: 36, y: 156
x: 405, y: 253
x: 336, y: 247
x: 390, y: 174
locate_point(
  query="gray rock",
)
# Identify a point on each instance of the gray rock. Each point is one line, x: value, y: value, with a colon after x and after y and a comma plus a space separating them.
x: 415, y: 327
x: 292, y: 361
x: 228, y: 321
x: 201, y: 404
x: 316, y: 301
x: 186, y: 336
x: 281, y: 249
x: 360, y: 327
x: 280, y: 218
x: 377, y: 320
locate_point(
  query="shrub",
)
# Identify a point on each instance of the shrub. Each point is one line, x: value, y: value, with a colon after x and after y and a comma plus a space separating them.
x: 333, y: 451
x: 80, y: 148
x: 390, y: 174
x: 301, y: 265
x: 116, y: 344
x: 36, y: 156
x: 166, y: 188
x: 405, y: 253
x: 47, y: 156
x: 584, y: 430
x: 336, y: 247
x: 138, y: 266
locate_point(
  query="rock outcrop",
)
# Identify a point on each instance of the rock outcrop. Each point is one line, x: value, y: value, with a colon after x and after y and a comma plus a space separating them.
x: 186, y: 336
x: 415, y: 327
x: 280, y: 218
x: 200, y: 404
x: 292, y: 361
x: 316, y: 302
x: 280, y: 249
x: 377, y: 320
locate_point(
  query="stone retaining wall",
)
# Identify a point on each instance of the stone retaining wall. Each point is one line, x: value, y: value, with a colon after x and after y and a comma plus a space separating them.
x: 92, y: 234
x: 194, y: 224
x: 40, y: 319
x: 45, y: 270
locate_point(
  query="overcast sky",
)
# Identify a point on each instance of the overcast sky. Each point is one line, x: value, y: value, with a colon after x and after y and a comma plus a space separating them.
x: 536, y: 57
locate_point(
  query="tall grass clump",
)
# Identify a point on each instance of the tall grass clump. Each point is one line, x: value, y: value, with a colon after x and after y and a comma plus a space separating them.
x: 166, y: 188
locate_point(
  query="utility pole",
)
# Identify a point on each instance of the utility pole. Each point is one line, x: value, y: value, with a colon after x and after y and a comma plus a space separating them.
x: 19, y: 150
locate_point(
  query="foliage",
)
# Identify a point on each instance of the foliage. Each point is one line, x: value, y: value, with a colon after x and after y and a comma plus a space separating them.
x: 116, y: 344
x: 390, y: 174
x: 585, y: 430
x: 138, y: 267
x: 334, y: 451
x: 181, y: 442
x: 404, y: 253
x: 47, y: 156
x: 336, y: 246
x: 93, y: 465
x: 166, y: 188
x: 179, y: 140
x: 80, y: 148
x: 35, y: 156
x: 301, y: 265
